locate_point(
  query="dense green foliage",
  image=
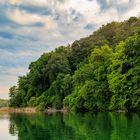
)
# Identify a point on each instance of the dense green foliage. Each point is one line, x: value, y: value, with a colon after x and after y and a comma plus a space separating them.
x: 97, y: 73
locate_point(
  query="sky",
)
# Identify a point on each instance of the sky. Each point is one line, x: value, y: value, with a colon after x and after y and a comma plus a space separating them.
x: 30, y: 27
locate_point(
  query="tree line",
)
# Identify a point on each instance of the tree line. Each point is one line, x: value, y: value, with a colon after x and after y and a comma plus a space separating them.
x: 4, y: 103
x: 97, y: 73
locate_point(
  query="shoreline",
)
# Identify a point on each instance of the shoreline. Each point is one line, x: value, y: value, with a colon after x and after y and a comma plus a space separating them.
x: 53, y: 110
x: 29, y: 110
x: 18, y: 110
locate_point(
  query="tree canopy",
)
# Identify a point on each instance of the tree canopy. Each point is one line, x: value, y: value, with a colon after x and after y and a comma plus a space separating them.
x: 97, y: 73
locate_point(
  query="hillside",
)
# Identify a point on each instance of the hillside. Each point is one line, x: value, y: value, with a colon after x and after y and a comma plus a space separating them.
x: 96, y: 73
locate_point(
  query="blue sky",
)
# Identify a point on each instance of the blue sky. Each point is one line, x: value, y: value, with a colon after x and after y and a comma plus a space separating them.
x: 30, y: 27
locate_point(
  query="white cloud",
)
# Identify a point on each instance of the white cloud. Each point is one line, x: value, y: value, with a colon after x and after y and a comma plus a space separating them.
x: 22, y: 17
x: 6, y: 82
x: 46, y: 33
x: 29, y: 2
x: 122, y: 1
x: 14, y: 71
x: 65, y: 23
x: 84, y: 6
x: 8, y: 78
x: 134, y: 10
x: 4, y: 92
x: 117, y: 1
x: 107, y: 16
x: 88, y: 9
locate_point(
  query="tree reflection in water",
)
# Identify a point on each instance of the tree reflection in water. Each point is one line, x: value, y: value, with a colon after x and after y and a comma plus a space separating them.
x: 59, y: 126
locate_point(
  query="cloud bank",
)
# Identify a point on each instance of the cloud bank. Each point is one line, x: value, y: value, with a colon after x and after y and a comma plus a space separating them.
x: 31, y: 27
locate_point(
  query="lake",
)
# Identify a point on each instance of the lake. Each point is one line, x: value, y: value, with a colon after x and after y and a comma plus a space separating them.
x: 59, y: 126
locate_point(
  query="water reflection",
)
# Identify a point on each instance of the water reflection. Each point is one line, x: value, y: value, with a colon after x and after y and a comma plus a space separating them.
x: 41, y: 126
x: 100, y: 126
x: 4, y: 128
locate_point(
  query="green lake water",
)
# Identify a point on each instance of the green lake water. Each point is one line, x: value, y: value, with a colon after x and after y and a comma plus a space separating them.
x: 59, y: 126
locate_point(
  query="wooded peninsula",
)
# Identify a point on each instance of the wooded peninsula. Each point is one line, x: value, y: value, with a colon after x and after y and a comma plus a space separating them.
x: 100, y: 72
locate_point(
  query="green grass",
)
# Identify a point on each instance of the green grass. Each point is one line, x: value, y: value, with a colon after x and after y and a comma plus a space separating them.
x: 4, y: 103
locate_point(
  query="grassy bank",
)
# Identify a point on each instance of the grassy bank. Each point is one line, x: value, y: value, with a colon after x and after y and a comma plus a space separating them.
x: 4, y: 103
x: 17, y: 110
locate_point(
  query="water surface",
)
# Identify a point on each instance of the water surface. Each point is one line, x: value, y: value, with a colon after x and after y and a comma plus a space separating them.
x: 59, y: 126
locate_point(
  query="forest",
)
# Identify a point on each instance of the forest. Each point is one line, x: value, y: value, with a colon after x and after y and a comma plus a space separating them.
x: 100, y: 72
